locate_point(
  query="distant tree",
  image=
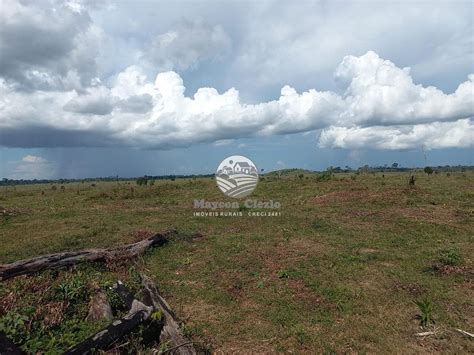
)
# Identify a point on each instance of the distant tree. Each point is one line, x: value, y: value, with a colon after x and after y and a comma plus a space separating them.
x: 142, y: 181
x: 152, y: 182
x: 395, y: 165
x: 428, y: 170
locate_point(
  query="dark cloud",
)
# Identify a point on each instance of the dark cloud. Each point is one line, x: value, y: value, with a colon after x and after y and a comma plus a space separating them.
x: 136, y: 104
x: 50, y: 137
x: 97, y: 102
x: 46, y: 45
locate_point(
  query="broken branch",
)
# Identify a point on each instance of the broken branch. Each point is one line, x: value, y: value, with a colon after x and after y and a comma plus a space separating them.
x: 52, y: 261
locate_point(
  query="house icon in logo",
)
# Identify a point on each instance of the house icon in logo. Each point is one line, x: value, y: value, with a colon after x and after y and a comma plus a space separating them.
x: 244, y: 167
x: 237, y: 176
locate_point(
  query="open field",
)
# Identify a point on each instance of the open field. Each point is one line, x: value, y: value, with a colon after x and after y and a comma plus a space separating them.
x: 339, y: 271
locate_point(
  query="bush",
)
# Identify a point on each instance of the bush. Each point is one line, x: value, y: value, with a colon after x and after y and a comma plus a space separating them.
x: 451, y: 257
x: 72, y: 291
x: 428, y: 170
x: 142, y: 181
x: 326, y: 176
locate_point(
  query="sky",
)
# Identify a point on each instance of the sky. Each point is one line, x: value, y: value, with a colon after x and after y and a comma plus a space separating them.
x: 130, y: 88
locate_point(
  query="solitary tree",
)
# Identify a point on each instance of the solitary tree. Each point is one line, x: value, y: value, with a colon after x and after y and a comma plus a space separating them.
x: 428, y: 170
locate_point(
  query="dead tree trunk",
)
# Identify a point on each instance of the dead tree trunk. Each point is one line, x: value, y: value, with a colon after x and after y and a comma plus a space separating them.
x: 52, y: 261
x: 171, y: 332
x: 102, y: 340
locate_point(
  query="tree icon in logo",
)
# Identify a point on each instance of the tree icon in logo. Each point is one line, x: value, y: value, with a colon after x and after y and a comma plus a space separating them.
x: 237, y: 176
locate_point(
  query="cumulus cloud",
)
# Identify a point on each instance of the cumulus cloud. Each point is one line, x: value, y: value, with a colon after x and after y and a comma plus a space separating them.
x: 377, y: 94
x: 97, y: 101
x: 47, y: 45
x: 438, y: 135
x: 187, y: 45
x: 286, y: 43
x: 30, y: 167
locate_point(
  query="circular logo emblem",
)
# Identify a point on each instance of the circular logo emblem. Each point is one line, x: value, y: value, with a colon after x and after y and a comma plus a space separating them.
x: 237, y: 176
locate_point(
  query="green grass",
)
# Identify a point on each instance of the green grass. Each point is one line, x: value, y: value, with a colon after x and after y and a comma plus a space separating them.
x: 340, y: 271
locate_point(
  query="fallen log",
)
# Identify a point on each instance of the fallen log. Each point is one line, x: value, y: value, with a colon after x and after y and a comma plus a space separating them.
x: 139, y: 313
x: 102, y: 340
x: 170, y: 334
x: 52, y: 261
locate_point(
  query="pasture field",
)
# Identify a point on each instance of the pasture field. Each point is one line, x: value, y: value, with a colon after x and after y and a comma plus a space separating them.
x: 339, y: 271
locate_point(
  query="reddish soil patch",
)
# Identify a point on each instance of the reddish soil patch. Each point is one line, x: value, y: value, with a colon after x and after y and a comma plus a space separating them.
x: 395, y: 196
x: 411, y: 288
x: 453, y: 270
x: 430, y: 213
x: 303, y: 293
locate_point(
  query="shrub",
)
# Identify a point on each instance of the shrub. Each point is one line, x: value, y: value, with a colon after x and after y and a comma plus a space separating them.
x: 326, y: 176
x: 14, y: 326
x: 426, y: 309
x: 451, y: 257
x: 72, y: 291
x: 428, y: 170
x: 142, y: 181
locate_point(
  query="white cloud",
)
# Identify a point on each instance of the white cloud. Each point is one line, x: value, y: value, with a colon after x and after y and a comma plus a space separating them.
x: 438, y: 135
x: 30, y: 167
x: 378, y: 93
x: 34, y: 159
x: 282, y: 42
x: 223, y: 142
